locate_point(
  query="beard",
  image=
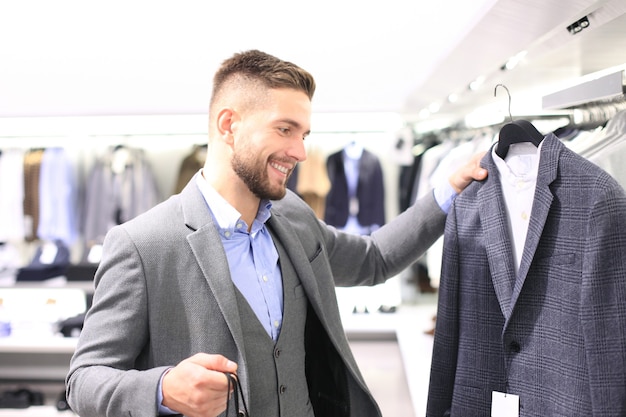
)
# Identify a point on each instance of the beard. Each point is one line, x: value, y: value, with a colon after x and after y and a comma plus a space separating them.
x: 253, y: 172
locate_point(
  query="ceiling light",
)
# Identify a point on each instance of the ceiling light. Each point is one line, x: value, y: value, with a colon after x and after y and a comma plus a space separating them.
x: 514, y: 60
x: 434, y: 107
x: 483, y: 116
x: 424, y: 114
x: 475, y: 85
x: 452, y: 98
x: 579, y: 25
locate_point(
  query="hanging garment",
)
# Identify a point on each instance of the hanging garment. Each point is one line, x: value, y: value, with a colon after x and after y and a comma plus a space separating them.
x: 12, y: 195
x: 31, y: 176
x: 369, y: 191
x: 189, y: 166
x: 611, y: 156
x: 312, y: 183
x: 58, y: 198
x: 120, y: 186
x: 553, y: 333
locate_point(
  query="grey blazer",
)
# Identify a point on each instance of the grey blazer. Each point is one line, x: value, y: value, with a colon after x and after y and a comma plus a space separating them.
x: 164, y: 292
x: 555, y: 333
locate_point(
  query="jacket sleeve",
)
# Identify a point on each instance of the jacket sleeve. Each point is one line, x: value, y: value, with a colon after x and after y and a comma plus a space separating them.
x: 104, y: 379
x: 370, y: 260
x: 365, y: 259
x: 603, y: 303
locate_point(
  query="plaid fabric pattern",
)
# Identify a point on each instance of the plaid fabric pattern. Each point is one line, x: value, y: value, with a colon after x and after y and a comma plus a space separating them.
x: 555, y: 332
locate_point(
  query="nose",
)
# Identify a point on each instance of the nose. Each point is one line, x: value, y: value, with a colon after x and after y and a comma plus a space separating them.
x: 297, y: 150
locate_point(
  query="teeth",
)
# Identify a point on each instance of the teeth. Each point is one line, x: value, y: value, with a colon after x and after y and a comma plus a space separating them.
x: 280, y: 168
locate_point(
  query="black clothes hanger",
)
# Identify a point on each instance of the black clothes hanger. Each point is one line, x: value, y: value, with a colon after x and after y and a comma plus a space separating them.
x: 517, y: 131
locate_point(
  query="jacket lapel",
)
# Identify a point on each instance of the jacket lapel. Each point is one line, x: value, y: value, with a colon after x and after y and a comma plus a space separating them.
x: 284, y: 232
x: 494, y: 220
x: 211, y: 257
x: 542, y: 201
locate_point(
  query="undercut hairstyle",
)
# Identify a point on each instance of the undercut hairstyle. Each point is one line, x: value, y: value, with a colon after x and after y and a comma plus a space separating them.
x: 250, y: 72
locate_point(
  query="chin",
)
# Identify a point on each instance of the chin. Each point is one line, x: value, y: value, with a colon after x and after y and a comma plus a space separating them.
x: 279, y: 195
x: 272, y: 195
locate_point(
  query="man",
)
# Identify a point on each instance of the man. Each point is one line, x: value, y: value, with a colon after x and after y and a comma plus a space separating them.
x: 236, y: 275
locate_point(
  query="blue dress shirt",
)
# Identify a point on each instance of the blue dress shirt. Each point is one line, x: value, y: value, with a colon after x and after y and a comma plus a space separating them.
x: 252, y: 257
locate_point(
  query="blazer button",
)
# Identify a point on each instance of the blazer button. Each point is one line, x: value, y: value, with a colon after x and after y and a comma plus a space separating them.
x: 515, y: 347
x: 276, y: 353
x: 282, y: 389
x: 241, y: 414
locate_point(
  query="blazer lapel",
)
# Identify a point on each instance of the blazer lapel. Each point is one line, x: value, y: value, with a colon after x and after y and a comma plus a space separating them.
x: 494, y: 220
x: 288, y: 236
x: 542, y: 201
x: 211, y: 257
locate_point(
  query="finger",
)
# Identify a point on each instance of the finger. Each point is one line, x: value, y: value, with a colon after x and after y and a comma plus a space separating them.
x: 480, y: 173
x: 214, y: 362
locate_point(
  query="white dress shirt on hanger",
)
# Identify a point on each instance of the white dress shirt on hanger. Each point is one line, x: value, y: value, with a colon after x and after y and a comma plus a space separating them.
x: 518, y: 177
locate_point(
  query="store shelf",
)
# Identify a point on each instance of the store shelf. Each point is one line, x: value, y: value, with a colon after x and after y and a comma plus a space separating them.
x: 34, y: 411
x: 28, y: 345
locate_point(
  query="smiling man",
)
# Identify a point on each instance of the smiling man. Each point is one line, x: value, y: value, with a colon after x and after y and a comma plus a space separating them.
x: 236, y: 274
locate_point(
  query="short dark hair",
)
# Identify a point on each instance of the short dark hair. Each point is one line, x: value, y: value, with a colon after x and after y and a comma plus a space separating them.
x: 259, y: 67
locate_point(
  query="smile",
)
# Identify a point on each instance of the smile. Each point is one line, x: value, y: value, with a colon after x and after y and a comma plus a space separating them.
x: 281, y: 168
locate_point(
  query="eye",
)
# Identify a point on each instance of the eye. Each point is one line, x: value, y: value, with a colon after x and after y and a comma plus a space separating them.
x: 284, y: 130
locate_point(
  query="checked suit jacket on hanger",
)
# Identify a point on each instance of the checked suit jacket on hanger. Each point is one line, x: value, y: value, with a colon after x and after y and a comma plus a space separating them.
x: 553, y: 333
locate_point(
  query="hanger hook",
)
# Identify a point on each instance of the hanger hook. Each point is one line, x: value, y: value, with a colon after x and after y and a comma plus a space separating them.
x: 508, y: 93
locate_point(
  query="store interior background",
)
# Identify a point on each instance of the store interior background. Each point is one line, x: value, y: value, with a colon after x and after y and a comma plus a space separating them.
x: 87, y: 76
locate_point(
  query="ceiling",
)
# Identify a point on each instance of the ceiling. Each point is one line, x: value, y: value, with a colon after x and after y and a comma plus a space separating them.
x: 77, y: 58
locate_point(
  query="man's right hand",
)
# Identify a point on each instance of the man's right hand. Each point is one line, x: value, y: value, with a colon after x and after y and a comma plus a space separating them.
x: 197, y: 386
x: 471, y: 171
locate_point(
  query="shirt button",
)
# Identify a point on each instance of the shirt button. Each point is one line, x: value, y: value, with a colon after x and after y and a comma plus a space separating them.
x: 276, y: 323
x: 524, y: 216
x: 239, y: 225
x: 227, y: 233
x: 264, y: 278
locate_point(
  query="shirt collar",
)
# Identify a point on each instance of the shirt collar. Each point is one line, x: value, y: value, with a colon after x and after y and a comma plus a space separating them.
x: 227, y: 218
x: 520, y: 163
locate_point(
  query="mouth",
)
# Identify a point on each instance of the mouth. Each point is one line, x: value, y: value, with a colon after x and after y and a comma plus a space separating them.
x: 280, y: 168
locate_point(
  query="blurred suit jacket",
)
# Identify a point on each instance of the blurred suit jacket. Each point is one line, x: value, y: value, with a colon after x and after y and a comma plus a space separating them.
x: 370, y: 191
x: 555, y: 333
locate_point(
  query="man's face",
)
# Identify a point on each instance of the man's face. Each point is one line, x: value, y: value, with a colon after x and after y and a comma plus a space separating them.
x: 269, y: 141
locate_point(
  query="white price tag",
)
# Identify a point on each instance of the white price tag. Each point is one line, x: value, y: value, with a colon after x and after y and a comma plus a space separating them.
x: 504, y: 405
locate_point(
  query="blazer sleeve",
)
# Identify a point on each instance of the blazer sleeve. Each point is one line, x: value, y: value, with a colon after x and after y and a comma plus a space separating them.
x: 390, y: 249
x: 353, y: 259
x: 103, y: 379
x: 603, y: 302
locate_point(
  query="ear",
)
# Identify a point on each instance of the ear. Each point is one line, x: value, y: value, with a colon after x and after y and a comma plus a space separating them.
x: 227, y: 120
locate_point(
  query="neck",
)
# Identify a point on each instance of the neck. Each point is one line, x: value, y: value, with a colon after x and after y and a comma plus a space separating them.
x: 235, y: 192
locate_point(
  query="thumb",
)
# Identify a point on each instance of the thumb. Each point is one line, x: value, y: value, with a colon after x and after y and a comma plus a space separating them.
x: 471, y: 171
